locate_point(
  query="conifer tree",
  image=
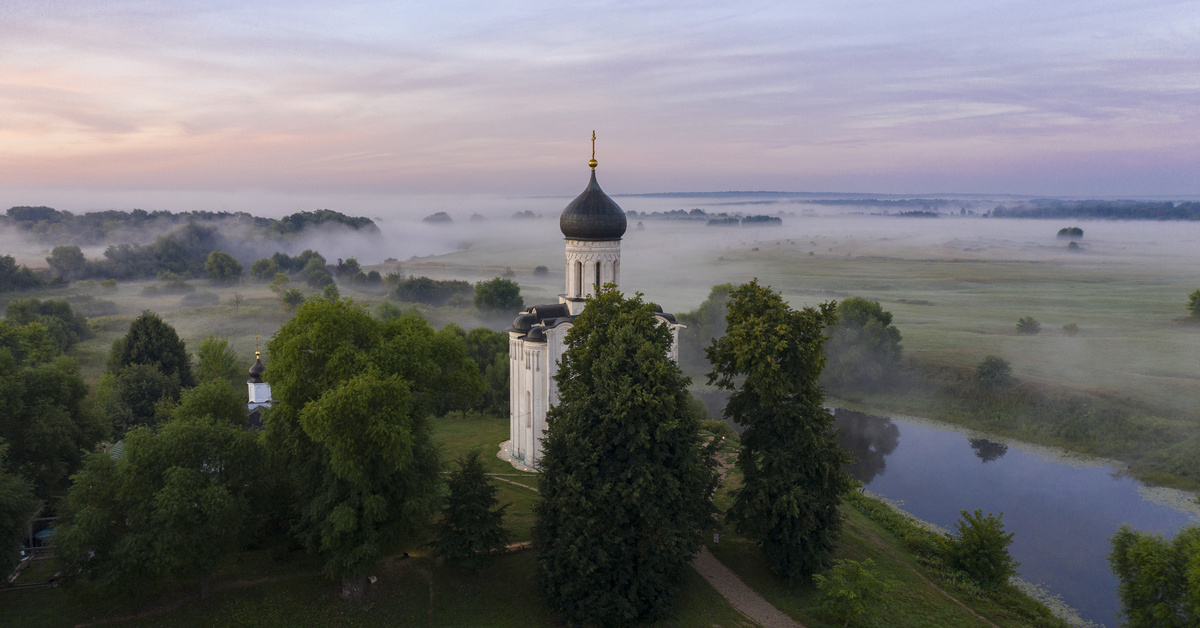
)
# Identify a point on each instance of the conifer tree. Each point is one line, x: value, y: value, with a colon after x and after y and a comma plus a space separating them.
x: 770, y: 358
x: 471, y: 527
x: 626, y: 482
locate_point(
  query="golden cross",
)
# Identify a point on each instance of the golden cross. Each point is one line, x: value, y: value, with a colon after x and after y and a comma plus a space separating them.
x: 593, y: 145
x: 256, y: 355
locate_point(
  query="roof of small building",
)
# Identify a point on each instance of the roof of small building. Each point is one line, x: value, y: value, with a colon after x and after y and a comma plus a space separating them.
x: 256, y: 370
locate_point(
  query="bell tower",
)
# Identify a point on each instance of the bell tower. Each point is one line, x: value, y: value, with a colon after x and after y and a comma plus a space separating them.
x: 592, y: 226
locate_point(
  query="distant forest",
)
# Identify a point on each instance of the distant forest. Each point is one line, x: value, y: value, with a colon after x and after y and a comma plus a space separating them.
x: 1112, y: 210
x: 63, y: 227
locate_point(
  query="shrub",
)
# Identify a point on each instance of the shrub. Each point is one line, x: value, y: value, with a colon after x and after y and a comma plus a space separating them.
x: 718, y: 427
x: 498, y: 295
x: 109, y: 285
x: 980, y: 548
x: 541, y: 271
x: 264, y: 269
x: 222, y: 268
x: 331, y: 292
x: 1028, y: 325
x: 1071, y: 329
x: 850, y: 590
x: 1193, y: 304
x: 280, y: 283
x: 993, y: 373
x: 291, y: 298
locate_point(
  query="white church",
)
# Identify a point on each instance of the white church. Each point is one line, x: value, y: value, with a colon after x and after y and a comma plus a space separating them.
x: 592, y: 226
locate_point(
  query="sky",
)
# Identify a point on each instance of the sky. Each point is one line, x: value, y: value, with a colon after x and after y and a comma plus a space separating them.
x: 113, y: 102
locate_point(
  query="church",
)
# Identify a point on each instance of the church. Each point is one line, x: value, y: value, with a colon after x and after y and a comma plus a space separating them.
x: 592, y: 226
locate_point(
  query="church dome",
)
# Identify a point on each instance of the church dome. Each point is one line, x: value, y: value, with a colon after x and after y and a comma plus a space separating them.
x: 523, y: 322
x: 257, y: 370
x: 592, y: 215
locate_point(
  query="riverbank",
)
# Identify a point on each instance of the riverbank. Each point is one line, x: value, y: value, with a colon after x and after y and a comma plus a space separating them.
x: 1155, y: 445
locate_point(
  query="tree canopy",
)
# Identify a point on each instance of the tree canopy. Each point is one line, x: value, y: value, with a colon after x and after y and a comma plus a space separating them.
x: 471, y: 526
x: 150, y: 340
x: 222, y: 268
x: 499, y: 295
x: 864, y: 347
x: 1159, y: 578
x: 770, y: 359
x: 626, y: 483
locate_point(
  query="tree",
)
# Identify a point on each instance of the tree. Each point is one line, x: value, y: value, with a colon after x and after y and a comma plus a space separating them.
x: 1193, y: 304
x: 66, y: 261
x: 133, y: 395
x: 864, y: 347
x: 174, y: 505
x: 1071, y: 329
x: 264, y: 269
x: 1028, y: 325
x: 626, y: 483
x: 980, y: 548
x: 17, y: 505
x: 993, y: 373
x: 291, y: 298
x: 222, y: 268
x: 770, y: 358
x: 150, y: 340
x: 331, y: 292
x: 489, y: 351
x: 850, y: 590
x: 236, y: 301
x: 280, y: 283
x: 216, y: 360
x: 701, y: 326
x: 471, y: 527
x: 349, y: 426
x: 63, y: 324
x: 498, y: 295
x: 14, y: 277
x: 1159, y: 579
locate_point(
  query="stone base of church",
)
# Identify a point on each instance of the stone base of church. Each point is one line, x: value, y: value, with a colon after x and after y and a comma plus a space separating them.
x: 505, y: 454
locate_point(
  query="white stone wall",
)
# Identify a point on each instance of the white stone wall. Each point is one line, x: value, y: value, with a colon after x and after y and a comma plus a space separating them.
x: 589, y: 264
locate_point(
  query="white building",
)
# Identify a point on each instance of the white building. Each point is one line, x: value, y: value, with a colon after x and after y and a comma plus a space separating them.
x: 260, y: 393
x: 592, y: 226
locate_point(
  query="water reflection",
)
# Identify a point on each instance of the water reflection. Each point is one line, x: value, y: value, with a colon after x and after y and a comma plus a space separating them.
x: 870, y: 439
x: 987, y: 450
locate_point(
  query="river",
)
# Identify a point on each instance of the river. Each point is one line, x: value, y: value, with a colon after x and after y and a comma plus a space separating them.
x: 1061, y: 508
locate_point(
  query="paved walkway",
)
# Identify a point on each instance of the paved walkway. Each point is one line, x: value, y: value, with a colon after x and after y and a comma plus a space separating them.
x: 739, y: 595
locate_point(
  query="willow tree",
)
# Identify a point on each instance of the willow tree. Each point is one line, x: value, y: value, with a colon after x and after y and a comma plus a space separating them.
x: 770, y: 358
x: 626, y: 482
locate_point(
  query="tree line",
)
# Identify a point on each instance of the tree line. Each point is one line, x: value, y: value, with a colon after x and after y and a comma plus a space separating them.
x: 1110, y: 210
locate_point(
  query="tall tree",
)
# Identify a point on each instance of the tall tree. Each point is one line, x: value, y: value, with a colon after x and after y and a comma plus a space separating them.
x: 349, y: 425
x: 222, y: 268
x: 150, y: 340
x: 498, y: 295
x: 626, y: 482
x: 770, y: 359
x: 472, y: 527
x: 864, y: 346
x: 217, y: 360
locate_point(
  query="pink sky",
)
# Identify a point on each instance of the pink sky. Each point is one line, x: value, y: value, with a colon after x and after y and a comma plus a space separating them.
x: 1075, y: 98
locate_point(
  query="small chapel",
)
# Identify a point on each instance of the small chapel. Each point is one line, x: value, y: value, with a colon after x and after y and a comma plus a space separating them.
x: 592, y: 226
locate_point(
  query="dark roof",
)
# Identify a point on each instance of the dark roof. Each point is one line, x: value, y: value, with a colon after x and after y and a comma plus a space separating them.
x: 256, y: 371
x: 592, y: 216
x: 551, y: 311
x: 523, y: 322
x: 537, y: 334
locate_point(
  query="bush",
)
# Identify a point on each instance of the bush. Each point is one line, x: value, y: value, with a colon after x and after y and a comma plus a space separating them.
x: 1193, y: 304
x: 291, y: 298
x: 993, y: 373
x: 222, y: 268
x: 1071, y: 329
x: 429, y: 291
x: 263, y: 269
x: 980, y: 549
x: 1028, y: 325
x: 718, y: 427
x: 541, y: 271
x: 109, y: 285
x: 850, y: 590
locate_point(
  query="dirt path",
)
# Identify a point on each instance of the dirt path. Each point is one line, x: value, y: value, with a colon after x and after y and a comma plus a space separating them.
x: 740, y: 596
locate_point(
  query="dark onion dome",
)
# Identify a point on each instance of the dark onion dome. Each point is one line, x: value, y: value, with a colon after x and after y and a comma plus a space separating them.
x: 537, y: 334
x: 523, y: 322
x: 256, y: 370
x: 592, y: 215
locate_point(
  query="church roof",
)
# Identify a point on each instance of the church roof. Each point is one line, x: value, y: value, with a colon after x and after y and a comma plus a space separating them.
x: 592, y: 215
x: 256, y: 370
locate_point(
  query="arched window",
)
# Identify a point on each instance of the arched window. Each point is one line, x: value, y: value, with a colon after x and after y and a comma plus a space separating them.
x: 578, y: 278
x: 529, y: 407
x: 617, y: 271
x: 597, y: 275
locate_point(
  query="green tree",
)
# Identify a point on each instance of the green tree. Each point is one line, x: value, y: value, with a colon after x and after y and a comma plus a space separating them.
x: 150, y: 340
x: 1193, y: 304
x: 850, y: 590
x: 175, y: 505
x: 498, y: 295
x: 64, y: 325
x: 14, y: 277
x: 291, y: 298
x: 264, y: 269
x: 471, y: 528
x: 349, y: 427
x: 864, y: 347
x: 17, y: 505
x: 217, y: 360
x: 134, y: 395
x: 46, y: 421
x: 702, y: 325
x: 280, y: 283
x: 66, y: 261
x: 626, y: 483
x: 980, y: 548
x: 463, y: 383
x: 331, y: 292
x: 993, y: 373
x: 1159, y: 579
x: 770, y: 358
x: 489, y: 351
x: 222, y: 268
x: 1028, y: 325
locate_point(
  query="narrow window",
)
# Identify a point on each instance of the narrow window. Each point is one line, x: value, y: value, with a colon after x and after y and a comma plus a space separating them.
x: 597, y: 275
x: 578, y: 278
x: 529, y: 406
